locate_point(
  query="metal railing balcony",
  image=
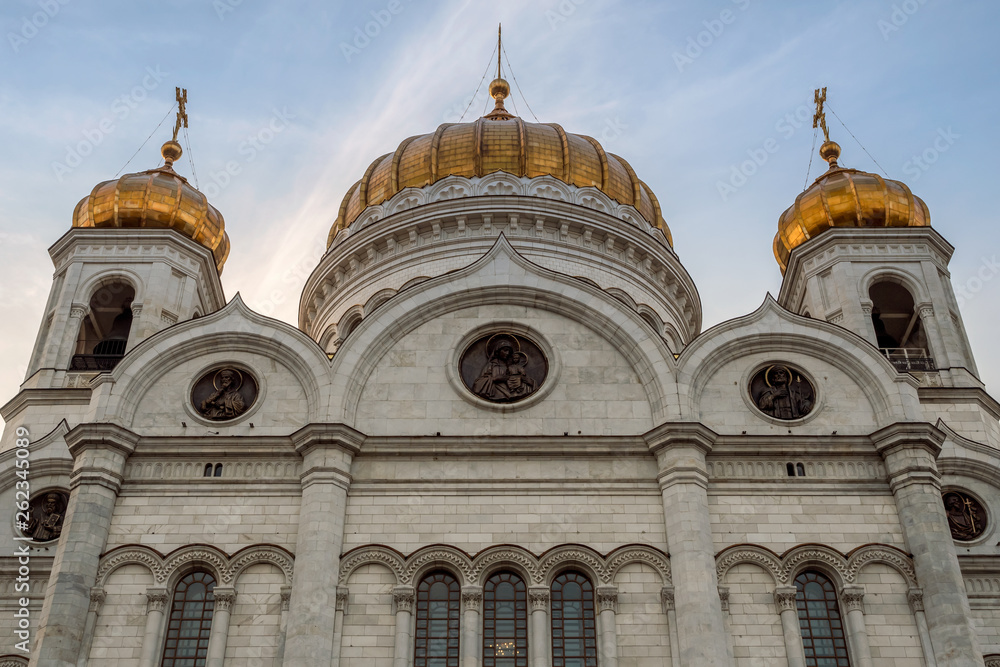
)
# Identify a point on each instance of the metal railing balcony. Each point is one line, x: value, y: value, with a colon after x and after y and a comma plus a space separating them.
x: 908, y: 359
x: 94, y: 362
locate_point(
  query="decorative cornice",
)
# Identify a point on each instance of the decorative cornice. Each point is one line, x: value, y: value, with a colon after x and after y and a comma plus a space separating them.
x: 225, y: 598
x: 340, y: 436
x: 607, y: 599
x: 784, y: 568
x: 472, y: 598
x: 534, y: 569
x: 667, y: 598
x: 908, y: 435
x: 44, y: 398
x: 105, y: 436
x: 97, y: 597
x: 403, y: 597
x: 539, y: 598
x: 853, y: 598
x: 225, y: 568
x: 724, y: 598
x: 784, y: 598
x: 915, y: 597
x: 673, y: 434
x: 156, y: 599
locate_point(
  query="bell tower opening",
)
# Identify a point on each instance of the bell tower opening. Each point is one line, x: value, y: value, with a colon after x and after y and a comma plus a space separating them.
x: 104, y: 332
x: 899, y: 332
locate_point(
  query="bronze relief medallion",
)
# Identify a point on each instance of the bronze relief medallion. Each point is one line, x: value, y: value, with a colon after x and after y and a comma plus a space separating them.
x: 47, y: 511
x: 966, y: 515
x: 782, y: 392
x: 224, y: 393
x: 503, y: 367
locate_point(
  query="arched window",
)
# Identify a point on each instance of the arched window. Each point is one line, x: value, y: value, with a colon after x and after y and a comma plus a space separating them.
x: 190, y: 622
x: 574, y: 630
x: 208, y: 469
x: 438, y: 609
x: 505, y: 621
x: 104, y: 332
x: 218, y: 470
x: 898, y: 329
x: 819, y: 617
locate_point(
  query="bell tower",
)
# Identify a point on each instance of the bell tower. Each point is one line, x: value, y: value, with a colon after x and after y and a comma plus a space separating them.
x: 858, y: 250
x: 145, y: 251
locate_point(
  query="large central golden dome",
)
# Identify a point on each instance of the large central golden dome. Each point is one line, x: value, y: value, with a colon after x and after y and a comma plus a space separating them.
x: 499, y: 142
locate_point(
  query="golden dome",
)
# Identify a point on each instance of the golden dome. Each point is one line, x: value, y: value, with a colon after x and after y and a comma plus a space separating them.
x: 499, y: 142
x: 156, y: 199
x: 846, y: 198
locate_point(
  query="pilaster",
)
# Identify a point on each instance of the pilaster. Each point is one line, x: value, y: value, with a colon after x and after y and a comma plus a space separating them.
x: 910, y: 450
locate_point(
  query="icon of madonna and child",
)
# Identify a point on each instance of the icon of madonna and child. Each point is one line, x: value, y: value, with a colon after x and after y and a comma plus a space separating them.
x: 507, y: 373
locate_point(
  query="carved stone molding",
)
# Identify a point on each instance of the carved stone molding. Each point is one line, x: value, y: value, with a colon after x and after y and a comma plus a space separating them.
x: 286, y: 598
x: 783, y: 568
x: 915, y: 597
x: 607, y: 599
x: 991, y: 661
x: 853, y: 598
x: 724, y: 597
x: 535, y: 569
x: 13, y: 661
x: 225, y: 598
x: 784, y: 598
x: 97, y: 597
x: 156, y: 599
x: 667, y: 598
x: 403, y: 598
x: 472, y: 598
x: 224, y: 568
x: 538, y: 598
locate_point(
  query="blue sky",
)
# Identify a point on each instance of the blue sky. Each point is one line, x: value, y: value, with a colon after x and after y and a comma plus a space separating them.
x: 683, y: 90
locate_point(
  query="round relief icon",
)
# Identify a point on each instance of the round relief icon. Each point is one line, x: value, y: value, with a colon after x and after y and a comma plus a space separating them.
x: 47, y: 511
x: 224, y: 393
x: 782, y: 392
x: 503, y: 367
x: 966, y: 516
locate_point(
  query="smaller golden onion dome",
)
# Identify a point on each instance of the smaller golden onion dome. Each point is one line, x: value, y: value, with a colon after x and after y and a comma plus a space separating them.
x: 846, y: 198
x: 156, y: 199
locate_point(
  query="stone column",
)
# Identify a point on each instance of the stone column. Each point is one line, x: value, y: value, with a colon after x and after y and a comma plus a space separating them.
x: 915, y: 597
x: 338, y: 623
x: 607, y: 604
x: 680, y: 449
x: 932, y: 328
x: 667, y: 600
x: 135, y: 331
x: 726, y: 621
x: 472, y: 625
x: 784, y: 600
x: 403, y: 598
x: 70, y: 337
x: 225, y: 598
x: 910, y: 451
x: 327, y: 452
x: 852, y: 598
x: 96, y: 602
x: 540, y: 640
x: 99, y: 453
x: 286, y: 598
x: 156, y: 603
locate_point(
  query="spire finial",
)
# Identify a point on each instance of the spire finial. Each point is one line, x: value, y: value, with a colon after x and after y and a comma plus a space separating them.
x: 499, y: 88
x: 171, y: 150
x: 830, y: 150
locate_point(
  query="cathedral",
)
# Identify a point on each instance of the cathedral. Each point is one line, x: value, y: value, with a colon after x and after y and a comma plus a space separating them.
x: 499, y: 436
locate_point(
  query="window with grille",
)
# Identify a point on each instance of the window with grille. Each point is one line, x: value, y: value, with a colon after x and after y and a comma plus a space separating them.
x: 505, y: 621
x: 190, y: 622
x: 438, y: 609
x: 574, y: 629
x: 820, y: 620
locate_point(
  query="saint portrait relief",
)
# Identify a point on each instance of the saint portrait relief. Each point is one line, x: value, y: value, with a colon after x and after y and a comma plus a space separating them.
x: 224, y: 393
x: 47, y: 513
x: 782, y: 392
x: 966, y: 516
x: 503, y: 368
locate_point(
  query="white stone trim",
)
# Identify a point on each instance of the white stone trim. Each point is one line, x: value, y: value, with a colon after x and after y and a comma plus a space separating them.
x: 845, y: 568
x: 536, y: 570
x: 167, y: 568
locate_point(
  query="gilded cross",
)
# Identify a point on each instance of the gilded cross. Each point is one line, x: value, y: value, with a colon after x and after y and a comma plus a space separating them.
x: 182, y: 117
x: 499, y: 46
x: 819, y: 119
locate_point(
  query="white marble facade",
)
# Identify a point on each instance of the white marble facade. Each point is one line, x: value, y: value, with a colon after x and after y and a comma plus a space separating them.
x: 641, y: 462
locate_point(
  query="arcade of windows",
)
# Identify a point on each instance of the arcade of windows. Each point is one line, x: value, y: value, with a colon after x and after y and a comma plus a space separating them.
x: 505, y: 621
